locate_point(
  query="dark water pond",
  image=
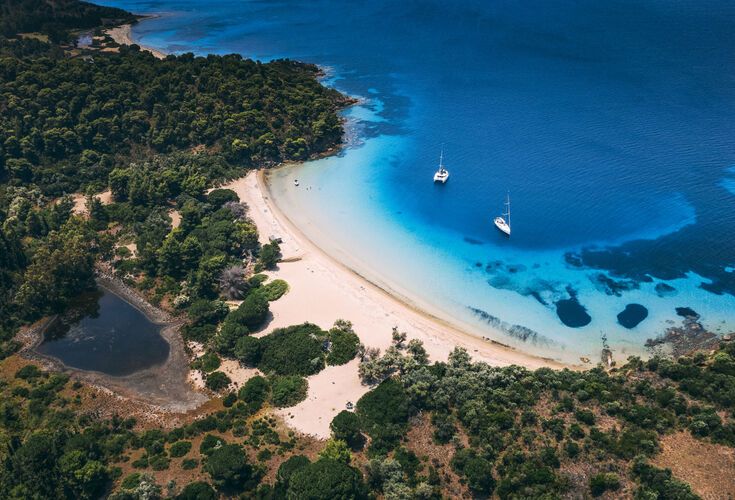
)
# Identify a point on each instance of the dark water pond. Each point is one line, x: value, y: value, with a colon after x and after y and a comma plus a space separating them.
x: 104, y: 333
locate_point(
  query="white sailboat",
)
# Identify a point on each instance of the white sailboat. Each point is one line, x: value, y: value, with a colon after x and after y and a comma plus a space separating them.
x: 442, y: 174
x: 500, y: 222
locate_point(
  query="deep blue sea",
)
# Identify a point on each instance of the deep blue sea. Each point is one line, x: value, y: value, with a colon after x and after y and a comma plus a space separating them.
x: 611, y: 124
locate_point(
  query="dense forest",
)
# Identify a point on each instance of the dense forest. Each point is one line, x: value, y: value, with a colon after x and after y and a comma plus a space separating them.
x: 66, y: 122
x: 55, y: 18
x: 159, y: 135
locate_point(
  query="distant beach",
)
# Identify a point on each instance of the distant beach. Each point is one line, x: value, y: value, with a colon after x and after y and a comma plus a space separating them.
x: 123, y: 35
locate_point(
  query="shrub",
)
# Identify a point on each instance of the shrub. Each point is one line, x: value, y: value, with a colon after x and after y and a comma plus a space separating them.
x: 219, y: 197
x: 327, y: 478
x: 198, y: 490
x: 274, y: 290
x: 179, y: 449
x: 383, y: 414
x: 248, y: 350
x: 602, y: 482
x: 209, y: 362
x: 189, y: 463
x: 476, y: 469
x: 270, y: 254
x: 229, y: 469
x: 210, y: 443
x: 255, y: 392
x: 296, y: 350
x: 346, y: 426
x: 288, y: 390
x: 217, y: 381
x: 344, y: 343
x: 159, y: 462
x: 336, y: 449
x: 252, y: 313
x: 28, y: 372
x: 226, y: 339
x: 287, y: 468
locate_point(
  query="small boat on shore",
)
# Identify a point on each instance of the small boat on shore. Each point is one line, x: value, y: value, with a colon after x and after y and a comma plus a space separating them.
x: 500, y: 222
x: 296, y: 182
x: 441, y: 175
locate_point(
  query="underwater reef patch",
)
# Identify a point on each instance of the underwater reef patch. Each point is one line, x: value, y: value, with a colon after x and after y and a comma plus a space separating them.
x: 516, y: 331
x: 687, y: 312
x: 665, y: 290
x: 610, y: 286
x: 571, y: 312
x: 632, y: 315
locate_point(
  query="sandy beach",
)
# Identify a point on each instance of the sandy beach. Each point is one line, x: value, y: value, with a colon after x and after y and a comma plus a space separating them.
x: 124, y: 36
x: 323, y: 290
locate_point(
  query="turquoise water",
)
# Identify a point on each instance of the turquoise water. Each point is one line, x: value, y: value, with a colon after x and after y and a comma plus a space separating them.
x: 611, y: 124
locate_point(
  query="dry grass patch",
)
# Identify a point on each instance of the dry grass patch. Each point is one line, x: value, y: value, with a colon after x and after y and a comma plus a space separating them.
x: 708, y: 468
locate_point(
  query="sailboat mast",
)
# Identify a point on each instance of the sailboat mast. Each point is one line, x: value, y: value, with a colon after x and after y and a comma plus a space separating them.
x: 441, y: 159
x: 508, y: 203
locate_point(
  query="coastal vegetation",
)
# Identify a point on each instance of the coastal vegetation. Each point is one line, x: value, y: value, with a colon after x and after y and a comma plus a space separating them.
x: 158, y: 135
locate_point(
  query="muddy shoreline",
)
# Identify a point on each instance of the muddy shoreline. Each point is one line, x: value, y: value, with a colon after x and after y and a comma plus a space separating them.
x: 163, y: 386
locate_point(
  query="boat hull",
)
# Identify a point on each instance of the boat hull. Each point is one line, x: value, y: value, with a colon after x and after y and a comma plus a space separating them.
x: 502, y: 226
x: 441, y: 178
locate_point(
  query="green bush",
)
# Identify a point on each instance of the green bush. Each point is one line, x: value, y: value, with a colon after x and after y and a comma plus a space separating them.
x: 270, y: 254
x: 248, y: 350
x: 209, y: 362
x: 255, y: 392
x: 189, y: 463
x: 296, y: 350
x: 383, y: 414
x: 602, y: 482
x: 159, y: 462
x: 476, y: 469
x: 179, y: 449
x: 343, y: 342
x: 274, y: 290
x: 226, y: 339
x: 229, y: 469
x: 198, y: 490
x: 217, y: 381
x: 211, y: 443
x: 327, y: 478
x: 288, y: 390
x: 219, y: 197
x: 346, y: 427
x: 252, y: 313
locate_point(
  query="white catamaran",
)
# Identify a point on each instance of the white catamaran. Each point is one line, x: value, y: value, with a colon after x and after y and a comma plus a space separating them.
x: 442, y: 174
x: 500, y: 222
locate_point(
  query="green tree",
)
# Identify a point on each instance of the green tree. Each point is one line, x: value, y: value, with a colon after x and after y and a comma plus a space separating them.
x: 198, y: 490
x: 345, y: 426
x: 229, y: 469
x: 326, y: 478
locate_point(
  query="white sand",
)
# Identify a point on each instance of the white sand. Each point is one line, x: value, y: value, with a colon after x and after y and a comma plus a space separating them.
x: 123, y: 35
x: 322, y: 291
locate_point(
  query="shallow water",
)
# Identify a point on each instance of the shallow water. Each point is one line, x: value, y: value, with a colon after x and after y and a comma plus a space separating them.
x: 106, y: 334
x: 610, y: 123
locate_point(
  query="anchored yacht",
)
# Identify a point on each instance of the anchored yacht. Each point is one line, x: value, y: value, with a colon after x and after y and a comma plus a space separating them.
x: 442, y: 174
x: 500, y: 222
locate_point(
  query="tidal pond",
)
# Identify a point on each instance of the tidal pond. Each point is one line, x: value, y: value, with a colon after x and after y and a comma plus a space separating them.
x: 104, y: 333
